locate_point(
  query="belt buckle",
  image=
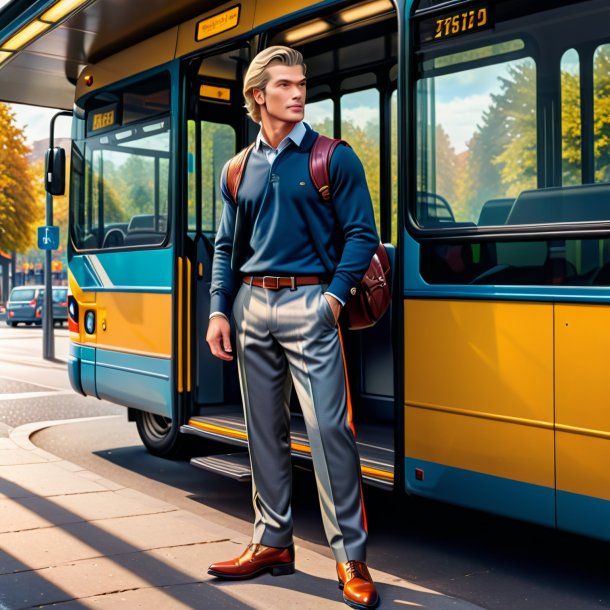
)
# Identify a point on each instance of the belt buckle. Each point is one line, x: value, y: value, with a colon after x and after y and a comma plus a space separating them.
x: 271, y: 282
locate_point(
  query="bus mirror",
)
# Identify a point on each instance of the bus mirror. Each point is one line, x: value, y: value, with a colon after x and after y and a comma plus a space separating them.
x: 55, y: 171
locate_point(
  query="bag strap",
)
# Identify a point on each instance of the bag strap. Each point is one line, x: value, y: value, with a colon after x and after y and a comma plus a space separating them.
x: 319, y: 163
x: 235, y: 171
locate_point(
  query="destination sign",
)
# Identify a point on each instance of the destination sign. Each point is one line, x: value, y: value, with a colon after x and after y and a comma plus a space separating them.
x: 103, y: 118
x: 466, y: 21
x: 221, y: 22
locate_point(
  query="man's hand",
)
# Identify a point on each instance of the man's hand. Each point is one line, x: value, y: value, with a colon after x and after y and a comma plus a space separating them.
x: 219, y: 338
x: 335, y: 305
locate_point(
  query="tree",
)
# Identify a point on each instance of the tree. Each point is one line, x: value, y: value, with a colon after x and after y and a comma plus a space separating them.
x: 601, y: 123
x: 570, y: 128
x: 446, y: 164
x: 365, y: 143
x: 501, y: 157
x: 21, y: 206
x: 517, y: 106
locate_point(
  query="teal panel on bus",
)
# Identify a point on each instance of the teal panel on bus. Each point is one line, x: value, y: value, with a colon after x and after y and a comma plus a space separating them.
x: 583, y: 515
x: 497, y: 495
x: 141, y: 382
x: 140, y: 270
x: 81, y: 369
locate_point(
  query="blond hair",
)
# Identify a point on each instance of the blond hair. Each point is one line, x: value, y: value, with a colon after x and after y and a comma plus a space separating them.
x: 257, y: 76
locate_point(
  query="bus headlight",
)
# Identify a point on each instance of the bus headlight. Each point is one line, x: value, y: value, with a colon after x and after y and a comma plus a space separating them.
x: 90, y: 322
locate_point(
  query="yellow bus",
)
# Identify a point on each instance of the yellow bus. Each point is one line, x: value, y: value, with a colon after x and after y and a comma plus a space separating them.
x: 484, y: 128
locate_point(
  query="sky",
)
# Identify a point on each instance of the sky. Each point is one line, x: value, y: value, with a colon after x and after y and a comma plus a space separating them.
x: 36, y: 121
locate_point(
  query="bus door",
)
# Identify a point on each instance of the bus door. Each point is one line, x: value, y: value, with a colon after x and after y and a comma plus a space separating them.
x: 352, y: 70
x: 122, y: 256
x: 215, y: 127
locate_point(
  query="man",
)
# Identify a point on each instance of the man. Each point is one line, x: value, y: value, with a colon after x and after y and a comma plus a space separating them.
x: 285, y: 261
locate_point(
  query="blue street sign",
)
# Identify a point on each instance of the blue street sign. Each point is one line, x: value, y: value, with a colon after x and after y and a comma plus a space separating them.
x: 48, y: 238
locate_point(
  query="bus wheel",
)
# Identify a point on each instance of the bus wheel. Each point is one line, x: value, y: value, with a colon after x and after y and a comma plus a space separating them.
x: 160, y: 436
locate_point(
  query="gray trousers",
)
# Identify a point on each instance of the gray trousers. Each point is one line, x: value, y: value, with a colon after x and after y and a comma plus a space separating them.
x: 283, y: 337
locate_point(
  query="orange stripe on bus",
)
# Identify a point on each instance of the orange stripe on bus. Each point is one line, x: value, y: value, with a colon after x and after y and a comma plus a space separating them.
x: 372, y: 472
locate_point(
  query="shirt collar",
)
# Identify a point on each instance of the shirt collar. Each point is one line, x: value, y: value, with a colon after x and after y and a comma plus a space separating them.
x: 296, y: 135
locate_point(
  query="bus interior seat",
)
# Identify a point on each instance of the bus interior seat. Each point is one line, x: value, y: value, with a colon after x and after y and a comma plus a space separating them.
x: 495, y: 212
x: 433, y: 209
x: 114, y: 238
x: 582, y: 203
x: 142, y: 230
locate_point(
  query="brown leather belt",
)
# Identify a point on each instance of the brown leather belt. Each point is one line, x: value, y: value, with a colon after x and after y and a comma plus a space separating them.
x: 275, y: 283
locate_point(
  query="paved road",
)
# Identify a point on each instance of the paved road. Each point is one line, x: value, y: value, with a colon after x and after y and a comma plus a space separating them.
x: 495, y: 563
x: 33, y: 389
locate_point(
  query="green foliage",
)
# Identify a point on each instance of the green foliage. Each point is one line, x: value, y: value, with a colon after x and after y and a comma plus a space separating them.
x: 601, y: 122
x: 365, y: 143
x: 517, y: 107
x: 21, y: 202
x: 501, y: 159
x: 217, y: 146
x: 571, y: 128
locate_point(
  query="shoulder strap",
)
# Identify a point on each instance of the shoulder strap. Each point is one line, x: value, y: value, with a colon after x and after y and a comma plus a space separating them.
x: 319, y: 163
x: 235, y: 171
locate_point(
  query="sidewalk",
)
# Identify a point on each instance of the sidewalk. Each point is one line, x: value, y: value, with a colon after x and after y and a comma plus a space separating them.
x: 71, y: 539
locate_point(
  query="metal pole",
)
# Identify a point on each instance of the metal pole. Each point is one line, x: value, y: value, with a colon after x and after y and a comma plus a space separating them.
x: 48, y: 337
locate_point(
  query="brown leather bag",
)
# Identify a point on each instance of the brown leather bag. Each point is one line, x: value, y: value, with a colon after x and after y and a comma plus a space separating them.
x: 370, y: 299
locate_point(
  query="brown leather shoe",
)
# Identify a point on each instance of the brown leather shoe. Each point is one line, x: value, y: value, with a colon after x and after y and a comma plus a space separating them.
x: 358, y: 586
x: 255, y: 560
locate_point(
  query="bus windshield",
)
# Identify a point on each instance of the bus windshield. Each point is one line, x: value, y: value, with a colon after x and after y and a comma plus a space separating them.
x: 120, y: 178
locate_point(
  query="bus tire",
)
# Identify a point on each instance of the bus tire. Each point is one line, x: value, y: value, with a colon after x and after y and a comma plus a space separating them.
x: 161, y: 437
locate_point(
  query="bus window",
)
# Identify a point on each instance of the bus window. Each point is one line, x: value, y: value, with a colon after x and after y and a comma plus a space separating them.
x: 217, y: 147
x: 476, y: 136
x: 122, y: 180
x: 320, y: 116
x: 571, y: 132
x: 360, y: 127
x: 601, y: 96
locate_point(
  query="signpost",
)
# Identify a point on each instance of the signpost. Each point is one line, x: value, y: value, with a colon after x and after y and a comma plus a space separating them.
x: 48, y: 239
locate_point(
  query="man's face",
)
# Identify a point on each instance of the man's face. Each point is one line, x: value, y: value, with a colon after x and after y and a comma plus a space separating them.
x: 283, y: 99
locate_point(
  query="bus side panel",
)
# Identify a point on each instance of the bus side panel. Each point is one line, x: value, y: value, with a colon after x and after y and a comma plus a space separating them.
x: 130, y: 348
x: 135, y: 381
x: 582, y: 337
x: 479, y: 405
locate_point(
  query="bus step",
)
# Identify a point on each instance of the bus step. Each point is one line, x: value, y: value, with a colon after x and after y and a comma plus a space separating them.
x: 234, y: 465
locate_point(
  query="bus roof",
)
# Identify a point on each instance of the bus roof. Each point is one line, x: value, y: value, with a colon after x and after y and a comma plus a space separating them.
x: 44, y: 72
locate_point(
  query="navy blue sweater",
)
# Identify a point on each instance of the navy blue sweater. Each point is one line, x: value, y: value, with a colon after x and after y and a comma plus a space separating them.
x: 281, y: 226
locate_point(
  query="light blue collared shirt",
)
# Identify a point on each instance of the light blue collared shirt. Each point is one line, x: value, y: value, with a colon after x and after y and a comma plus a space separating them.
x: 296, y: 135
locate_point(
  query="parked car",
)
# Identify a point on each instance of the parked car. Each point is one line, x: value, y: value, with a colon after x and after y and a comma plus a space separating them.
x: 26, y: 303
x: 60, y: 305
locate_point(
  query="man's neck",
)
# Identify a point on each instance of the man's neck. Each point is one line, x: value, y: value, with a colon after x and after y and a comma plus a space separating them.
x: 275, y: 131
